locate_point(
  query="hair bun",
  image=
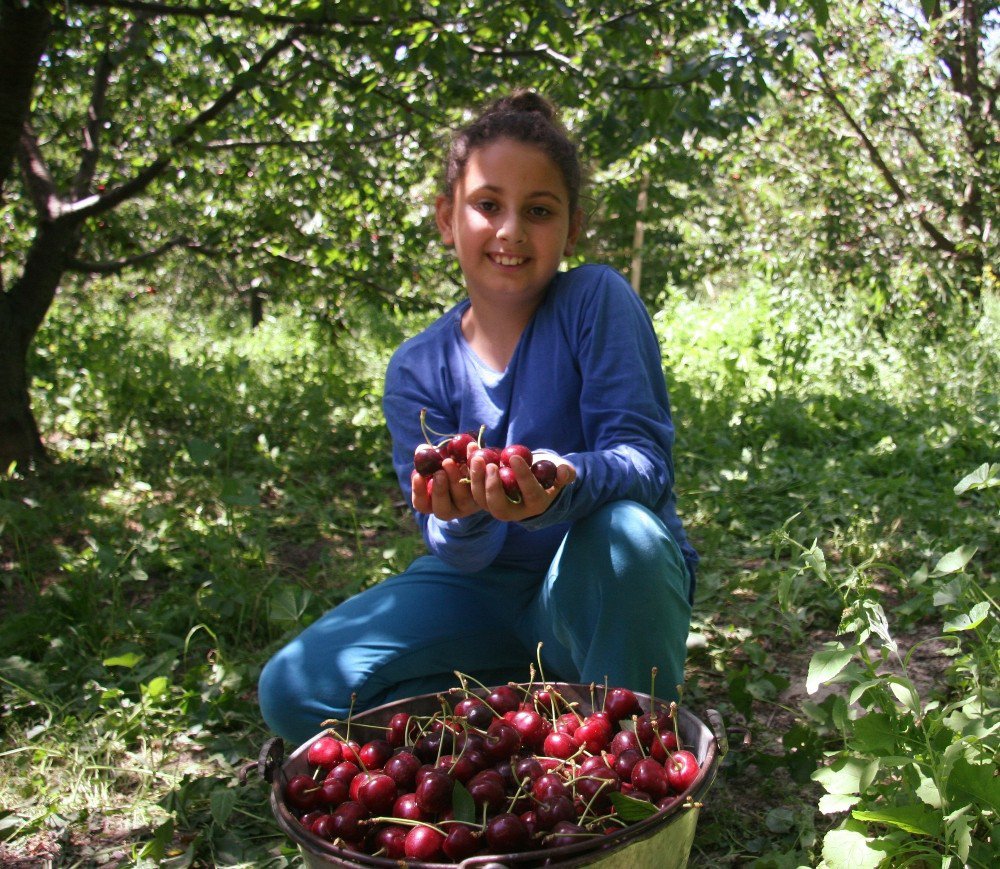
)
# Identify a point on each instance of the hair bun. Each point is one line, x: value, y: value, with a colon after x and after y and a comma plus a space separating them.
x: 525, y: 100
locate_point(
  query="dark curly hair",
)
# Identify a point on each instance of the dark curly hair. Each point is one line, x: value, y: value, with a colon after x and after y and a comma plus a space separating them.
x: 524, y: 116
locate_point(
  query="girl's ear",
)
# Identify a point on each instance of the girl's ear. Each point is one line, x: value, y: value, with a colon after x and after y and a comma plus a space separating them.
x: 575, y: 226
x: 443, y: 211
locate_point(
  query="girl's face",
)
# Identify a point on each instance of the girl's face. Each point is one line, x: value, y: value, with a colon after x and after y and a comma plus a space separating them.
x: 509, y: 221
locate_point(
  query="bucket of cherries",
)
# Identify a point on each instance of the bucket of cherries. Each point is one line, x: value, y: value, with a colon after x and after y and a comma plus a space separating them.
x: 529, y: 774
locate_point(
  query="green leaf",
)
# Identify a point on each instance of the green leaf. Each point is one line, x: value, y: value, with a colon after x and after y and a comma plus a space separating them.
x: 967, y: 621
x: 156, y: 687
x: 954, y: 561
x: 222, y: 802
x: 974, y: 783
x: 905, y: 692
x: 875, y: 733
x: 847, y: 849
x: 780, y: 820
x: 984, y: 477
x: 825, y: 666
x: 630, y: 809
x: 201, y: 451
x: 239, y: 494
x: 128, y: 660
x: 463, y: 806
x: 156, y: 848
x: 821, y: 10
x: 912, y: 819
x: 831, y: 804
x: 847, y: 775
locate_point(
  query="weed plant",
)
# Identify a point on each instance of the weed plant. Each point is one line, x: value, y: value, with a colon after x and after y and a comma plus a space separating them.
x: 216, y: 489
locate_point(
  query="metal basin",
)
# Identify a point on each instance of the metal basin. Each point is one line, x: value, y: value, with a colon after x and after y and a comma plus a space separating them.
x: 662, y: 841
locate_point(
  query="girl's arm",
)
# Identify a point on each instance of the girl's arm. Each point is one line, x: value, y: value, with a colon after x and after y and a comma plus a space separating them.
x: 462, y: 536
x: 624, y: 407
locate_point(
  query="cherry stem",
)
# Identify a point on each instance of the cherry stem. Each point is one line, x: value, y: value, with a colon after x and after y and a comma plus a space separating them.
x: 426, y: 430
x: 677, y: 729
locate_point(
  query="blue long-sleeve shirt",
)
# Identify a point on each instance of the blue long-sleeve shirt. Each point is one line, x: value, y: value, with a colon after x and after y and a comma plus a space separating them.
x: 585, y: 382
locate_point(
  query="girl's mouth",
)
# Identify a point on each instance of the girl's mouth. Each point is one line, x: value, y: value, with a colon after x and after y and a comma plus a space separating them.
x: 507, y: 259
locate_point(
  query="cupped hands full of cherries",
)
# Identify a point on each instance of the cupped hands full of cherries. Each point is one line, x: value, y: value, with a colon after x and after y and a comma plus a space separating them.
x: 428, y: 458
x: 506, y: 770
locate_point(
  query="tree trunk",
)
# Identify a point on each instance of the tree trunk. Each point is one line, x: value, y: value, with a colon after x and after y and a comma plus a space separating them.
x: 23, y: 32
x: 22, y: 311
x: 20, y: 440
x: 639, y: 234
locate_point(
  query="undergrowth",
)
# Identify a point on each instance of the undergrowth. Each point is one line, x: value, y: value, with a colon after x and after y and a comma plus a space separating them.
x: 214, y: 490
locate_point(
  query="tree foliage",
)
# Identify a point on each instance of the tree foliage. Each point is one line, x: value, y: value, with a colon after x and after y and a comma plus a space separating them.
x: 293, y: 149
x: 873, y: 162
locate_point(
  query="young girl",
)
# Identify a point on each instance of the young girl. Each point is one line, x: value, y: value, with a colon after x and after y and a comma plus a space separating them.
x: 596, y: 567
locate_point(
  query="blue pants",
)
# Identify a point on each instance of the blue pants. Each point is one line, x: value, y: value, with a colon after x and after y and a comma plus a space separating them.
x: 613, y: 604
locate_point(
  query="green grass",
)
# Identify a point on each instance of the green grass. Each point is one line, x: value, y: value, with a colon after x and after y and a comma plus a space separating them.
x: 215, y: 490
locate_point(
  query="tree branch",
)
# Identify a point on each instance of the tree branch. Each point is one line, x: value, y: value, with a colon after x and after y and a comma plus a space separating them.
x: 325, y: 19
x: 114, y: 267
x: 941, y: 241
x: 90, y: 152
x: 300, y: 144
x: 38, y: 180
x: 98, y: 204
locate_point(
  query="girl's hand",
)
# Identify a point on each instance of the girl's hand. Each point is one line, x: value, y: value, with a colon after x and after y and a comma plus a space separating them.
x: 450, y: 495
x: 488, y: 491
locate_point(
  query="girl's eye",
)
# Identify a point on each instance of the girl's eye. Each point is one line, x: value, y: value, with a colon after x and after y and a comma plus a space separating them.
x: 539, y: 211
x: 487, y: 205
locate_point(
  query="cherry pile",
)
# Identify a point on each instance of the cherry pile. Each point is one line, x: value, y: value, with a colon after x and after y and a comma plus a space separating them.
x: 428, y: 459
x: 518, y: 769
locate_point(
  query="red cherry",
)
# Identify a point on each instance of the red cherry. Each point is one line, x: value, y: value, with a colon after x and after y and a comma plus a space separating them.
x: 568, y: 722
x: 552, y: 810
x: 374, y: 754
x: 458, y: 446
x: 550, y: 785
x: 626, y: 761
x: 510, y: 487
x: 649, y: 723
x: 462, y: 841
x: 503, y: 699
x: 597, y: 786
x: 545, y: 472
x: 407, y: 808
x: 378, y: 793
x: 487, y: 790
x: 621, y: 703
x: 426, y: 460
x: 347, y: 821
x: 303, y: 792
x: 532, y: 727
x: 434, y: 791
x: 400, y: 729
x: 390, y: 840
x: 508, y: 452
x: 323, y: 826
x: 488, y: 454
x: 649, y: 776
x: 560, y: 745
x: 423, y: 843
x: 566, y: 833
x: 502, y: 740
x: 325, y: 752
x: 682, y: 770
x: 403, y: 768
x: 663, y: 743
x: 334, y: 792
x: 506, y: 833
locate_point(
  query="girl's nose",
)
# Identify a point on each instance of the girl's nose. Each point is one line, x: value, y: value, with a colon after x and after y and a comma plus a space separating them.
x: 511, y: 229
